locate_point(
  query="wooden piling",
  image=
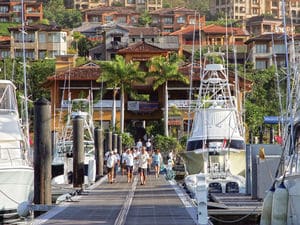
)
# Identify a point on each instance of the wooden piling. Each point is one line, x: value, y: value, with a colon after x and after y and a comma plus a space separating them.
x: 78, y: 152
x: 120, y: 149
x: 99, y: 153
x: 108, y: 141
x: 114, y: 141
x: 42, y: 153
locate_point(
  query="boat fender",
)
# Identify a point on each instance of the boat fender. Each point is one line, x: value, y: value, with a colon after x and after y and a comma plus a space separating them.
x: 92, y: 171
x: 280, y: 205
x: 23, y: 209
x: 267, y: 207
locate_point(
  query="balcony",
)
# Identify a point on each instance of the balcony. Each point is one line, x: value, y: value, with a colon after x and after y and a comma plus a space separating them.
x: 100, y: 104
x: 182, y: 103
x: 142, y: 107
x: 117, y: 45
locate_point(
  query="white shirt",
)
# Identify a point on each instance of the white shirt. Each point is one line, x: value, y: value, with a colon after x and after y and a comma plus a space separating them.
x: 139, y: 144
x: 124, y: 155
x: 129, y: 160
x: 143, y: 160
x: 111, y: 161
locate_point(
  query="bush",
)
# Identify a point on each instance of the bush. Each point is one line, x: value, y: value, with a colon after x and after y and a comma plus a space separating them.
x: 127, y: 140
x: 166, y: 144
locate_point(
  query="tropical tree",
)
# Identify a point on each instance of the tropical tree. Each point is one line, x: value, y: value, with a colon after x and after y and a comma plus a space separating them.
x: 165, y: 69
x: 119, y: 74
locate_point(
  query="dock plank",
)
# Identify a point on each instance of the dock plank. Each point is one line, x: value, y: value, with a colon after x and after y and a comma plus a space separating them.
x: 155, y: 203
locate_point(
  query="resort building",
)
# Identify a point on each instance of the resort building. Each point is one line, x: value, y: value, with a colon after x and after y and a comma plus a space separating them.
x: 169, y: 20
x: 11, y: 11
x: 243, y: 9
x: 40, y: 41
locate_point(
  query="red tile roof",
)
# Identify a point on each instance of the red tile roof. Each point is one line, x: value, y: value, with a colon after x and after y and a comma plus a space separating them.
x: 137, y: 31
x: 4, y: 38
x: 212, y: 29
x: 142, y: 47
x: 77, y: 73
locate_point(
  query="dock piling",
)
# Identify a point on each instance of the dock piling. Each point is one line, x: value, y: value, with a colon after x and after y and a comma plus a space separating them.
x: 42, y: 153
x: 78, y: 152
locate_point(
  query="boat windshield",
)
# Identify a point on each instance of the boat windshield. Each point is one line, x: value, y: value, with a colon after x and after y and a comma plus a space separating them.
x: 7, y: 97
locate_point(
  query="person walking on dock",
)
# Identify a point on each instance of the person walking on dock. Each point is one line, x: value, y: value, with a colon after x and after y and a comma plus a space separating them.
x: 110, y: 163
x: 139, y: 145
x: 117, y: 164
x: 123, y: 161
x: 143, y: 165
x: 157, y: 160
x: 129, y: 165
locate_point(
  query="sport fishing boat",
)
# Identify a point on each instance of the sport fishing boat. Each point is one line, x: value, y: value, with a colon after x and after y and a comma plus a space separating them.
x: 216, y: 146
x: 62, y: 164
x: 16, y: 170
x: 282, y: 202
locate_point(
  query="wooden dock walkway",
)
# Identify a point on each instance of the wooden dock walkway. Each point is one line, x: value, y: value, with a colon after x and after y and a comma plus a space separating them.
x: 122, y: 203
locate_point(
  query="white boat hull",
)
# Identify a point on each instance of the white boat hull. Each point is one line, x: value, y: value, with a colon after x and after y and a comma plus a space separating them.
x: 195, y: 162
x: 224, y: 183
x: 16, y: 186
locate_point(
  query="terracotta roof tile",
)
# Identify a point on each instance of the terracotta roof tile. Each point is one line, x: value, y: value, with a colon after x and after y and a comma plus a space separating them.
x: 137, y: 31
x: 212, y: 29
x: 141, y: 46
x: 78, y: 73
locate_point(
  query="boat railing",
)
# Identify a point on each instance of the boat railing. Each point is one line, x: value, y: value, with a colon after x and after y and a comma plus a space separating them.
x: 11, y: 157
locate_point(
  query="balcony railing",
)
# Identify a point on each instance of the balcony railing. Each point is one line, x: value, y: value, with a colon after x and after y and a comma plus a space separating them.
x: 142, y: 107
x: 99, y: 104
x: 182, y: 103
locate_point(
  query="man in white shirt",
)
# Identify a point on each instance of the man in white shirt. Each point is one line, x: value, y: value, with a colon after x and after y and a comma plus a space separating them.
x: 139, y: 145
x: 129, y: 165
x: 143, y: 165
x: 110, y: 163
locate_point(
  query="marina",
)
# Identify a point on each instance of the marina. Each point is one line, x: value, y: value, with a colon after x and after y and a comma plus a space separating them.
x: 158, y: 202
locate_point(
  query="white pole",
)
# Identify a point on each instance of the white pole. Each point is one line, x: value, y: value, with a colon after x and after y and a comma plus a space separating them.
x: 26, y: 122
x: 201, y: 196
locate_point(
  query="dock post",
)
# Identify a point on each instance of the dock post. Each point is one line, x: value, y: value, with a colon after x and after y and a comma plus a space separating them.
x: 201, y: 196
x: 120, y: 149
x: 108, y: 141
x: 78, y: 152
x: 42, y: 153
x: 115, y: 141
x: 99, y: 152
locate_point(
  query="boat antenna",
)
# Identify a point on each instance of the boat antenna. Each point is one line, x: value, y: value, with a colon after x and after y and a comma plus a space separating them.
x: 191, y: 76
x: 26, y: 122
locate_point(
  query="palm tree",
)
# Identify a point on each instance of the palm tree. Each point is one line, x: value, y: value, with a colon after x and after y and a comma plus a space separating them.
x: 119, y: 74
x: 164, y: 69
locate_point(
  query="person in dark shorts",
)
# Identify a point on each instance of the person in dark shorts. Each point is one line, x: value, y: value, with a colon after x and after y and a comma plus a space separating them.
x: 143, y: 165
x: 129, y: 165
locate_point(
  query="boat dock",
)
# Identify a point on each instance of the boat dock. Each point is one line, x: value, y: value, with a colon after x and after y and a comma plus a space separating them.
x: 158, y: 202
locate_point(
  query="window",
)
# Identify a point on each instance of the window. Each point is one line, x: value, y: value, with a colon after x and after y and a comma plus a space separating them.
x: 94, y: 19
x: 130, y: 1
x: 17, y: 8
x: 279, y: 48
x: 42, y: 37
x: 192, y: 21
x: 121, y: 19
x: 168, y: 20
x: 108, y: 19
x: 261, y: 65
x: 4, y: 9
x: 57, y: 37
x: 181, y: 19
x: 42, y: 54
x: 28, y: 54
x: 4, y: 54
x: 261, y: 48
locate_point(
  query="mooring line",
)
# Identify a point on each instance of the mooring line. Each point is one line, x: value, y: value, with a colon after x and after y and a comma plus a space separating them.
x: 127, y: 203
